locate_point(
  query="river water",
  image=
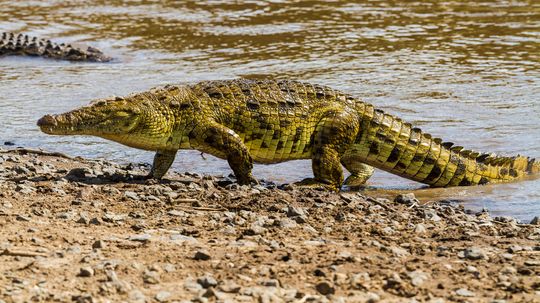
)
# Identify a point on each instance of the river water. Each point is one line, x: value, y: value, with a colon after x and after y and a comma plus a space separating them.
x: 466, y: 71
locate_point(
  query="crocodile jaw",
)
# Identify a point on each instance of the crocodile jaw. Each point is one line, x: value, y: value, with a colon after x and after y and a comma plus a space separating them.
x: 56, y: 125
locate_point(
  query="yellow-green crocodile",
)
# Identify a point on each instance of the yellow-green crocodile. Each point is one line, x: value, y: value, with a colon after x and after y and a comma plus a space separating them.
x: 268, y: 121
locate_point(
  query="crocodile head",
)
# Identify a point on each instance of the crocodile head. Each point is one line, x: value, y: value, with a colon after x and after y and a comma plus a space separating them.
x: 132, y: 121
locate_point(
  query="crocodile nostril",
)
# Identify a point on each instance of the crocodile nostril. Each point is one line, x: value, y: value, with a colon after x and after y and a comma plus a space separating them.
x: 47, y: 120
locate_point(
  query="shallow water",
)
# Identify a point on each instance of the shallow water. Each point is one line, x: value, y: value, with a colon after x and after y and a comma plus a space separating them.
x: 468, y: 72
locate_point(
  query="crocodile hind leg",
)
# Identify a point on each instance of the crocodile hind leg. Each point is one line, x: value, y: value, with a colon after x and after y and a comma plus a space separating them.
x: 162, y: 162
x: 222, y: 142
x: 360, y: 172
x: 333, y: 135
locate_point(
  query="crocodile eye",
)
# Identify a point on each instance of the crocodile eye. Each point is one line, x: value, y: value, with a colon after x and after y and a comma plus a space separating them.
x: 121, y: 114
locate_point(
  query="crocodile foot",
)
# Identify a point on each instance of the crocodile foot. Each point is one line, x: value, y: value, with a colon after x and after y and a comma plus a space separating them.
x: 314, y: 183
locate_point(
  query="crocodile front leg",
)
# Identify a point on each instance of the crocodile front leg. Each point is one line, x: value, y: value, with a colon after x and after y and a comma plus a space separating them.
x: 222, y: 142
x: 162, y: 162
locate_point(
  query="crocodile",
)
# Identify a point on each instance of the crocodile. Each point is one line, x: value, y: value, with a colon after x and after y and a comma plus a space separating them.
x: 19, y: 44
x: 271, y: 121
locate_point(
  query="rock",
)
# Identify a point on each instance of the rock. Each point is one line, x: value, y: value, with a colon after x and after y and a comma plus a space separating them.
x: 207, y: 281
x: 86, y: 272
x: 361, y: 281
x: 192, y: 286
x: 113, y: 218
x: 417, y: 277
x: 399, y: 252
x: 287, y: 223
x: 64, y: 215
x: 463, y: 292
x: 163, y: 296
x: 325, y: 288
x: 271, y: 283
x: 229, y: 286
x: 99, y: 244
x: 22, y: 218
x: 532, y: 262
x: 169, y: 268
x: 151, y: 277
x: 140, y: 238
x: 21, y: 170
x: 78, y: 173
x: 432, y: 215
x: 506, y: 219
x: 201, y: 255
x: 474, y: 253
x: 407, y: 199
x: 95, y: 221
x: 514, y: 248
x: 83, y: 298
x: 509, y: 270
x: 535, y: 221
x: 255, y: 229
x: 295, y: 211
x: 83, y: 219
x: 420, y: 229
x: 136, y: 296
x: 131, y: 195
x: 507, y: 256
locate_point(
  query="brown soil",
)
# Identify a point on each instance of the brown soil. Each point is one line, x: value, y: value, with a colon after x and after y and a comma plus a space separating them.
x: 93, y: 231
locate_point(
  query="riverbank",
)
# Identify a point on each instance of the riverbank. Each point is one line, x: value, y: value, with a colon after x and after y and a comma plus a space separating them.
x: 82, y: 230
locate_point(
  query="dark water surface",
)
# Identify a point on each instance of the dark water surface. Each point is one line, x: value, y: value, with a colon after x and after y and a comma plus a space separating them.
x: 468, y: 72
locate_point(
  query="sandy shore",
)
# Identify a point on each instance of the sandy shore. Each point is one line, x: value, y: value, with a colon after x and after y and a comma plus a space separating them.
x: 75, y: 230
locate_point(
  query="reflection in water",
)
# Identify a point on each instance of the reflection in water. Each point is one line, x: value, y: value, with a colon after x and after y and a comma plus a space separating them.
x: 465, y: 71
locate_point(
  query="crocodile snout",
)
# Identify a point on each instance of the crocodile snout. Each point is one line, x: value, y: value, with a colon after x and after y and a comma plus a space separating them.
x: 47, y: 121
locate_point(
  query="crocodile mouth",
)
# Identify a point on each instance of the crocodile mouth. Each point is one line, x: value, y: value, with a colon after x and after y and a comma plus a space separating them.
x: 61, y: 125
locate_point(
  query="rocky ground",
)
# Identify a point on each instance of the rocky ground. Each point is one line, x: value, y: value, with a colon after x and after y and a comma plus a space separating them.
x: 75, y: 230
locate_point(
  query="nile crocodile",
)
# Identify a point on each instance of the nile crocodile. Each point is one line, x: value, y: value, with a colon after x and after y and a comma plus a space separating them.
x: 267, y: 121
x: 19, y: 44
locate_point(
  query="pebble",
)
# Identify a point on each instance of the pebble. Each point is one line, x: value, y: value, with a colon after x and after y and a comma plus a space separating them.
x: 325, y: 288
x: 514, y: 248
x: 202, y: 255
x: 163, y: 296
x: 399, y: 252
x: 420, y: 229
x: 295, y: 211
x: 360, y: 281
x: 99, y: 244
x: 417, y: 277
x: 86, y: 272
x: 474, y: 253
x: 432, y: 215
x: 151, y: 277
x: 140, y: 238
x: 532, y: 262
x: 407, y: 199
x: 271, y: 283
x: 229, y: 286
x: 463, y: 292
x: 207, y: 281
x: 131, y: 195
x: 78, y: 173
x: 287, y: 223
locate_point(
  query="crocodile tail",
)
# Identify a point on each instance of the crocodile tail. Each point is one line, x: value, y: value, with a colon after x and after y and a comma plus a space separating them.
x: 388, y: 143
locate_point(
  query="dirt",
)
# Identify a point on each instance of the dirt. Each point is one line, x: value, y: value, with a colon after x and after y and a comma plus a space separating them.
x: 77, y: 230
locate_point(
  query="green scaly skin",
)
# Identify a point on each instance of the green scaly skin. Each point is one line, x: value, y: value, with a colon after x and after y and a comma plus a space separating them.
x: 245, y: 121
x: 19, y: 44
